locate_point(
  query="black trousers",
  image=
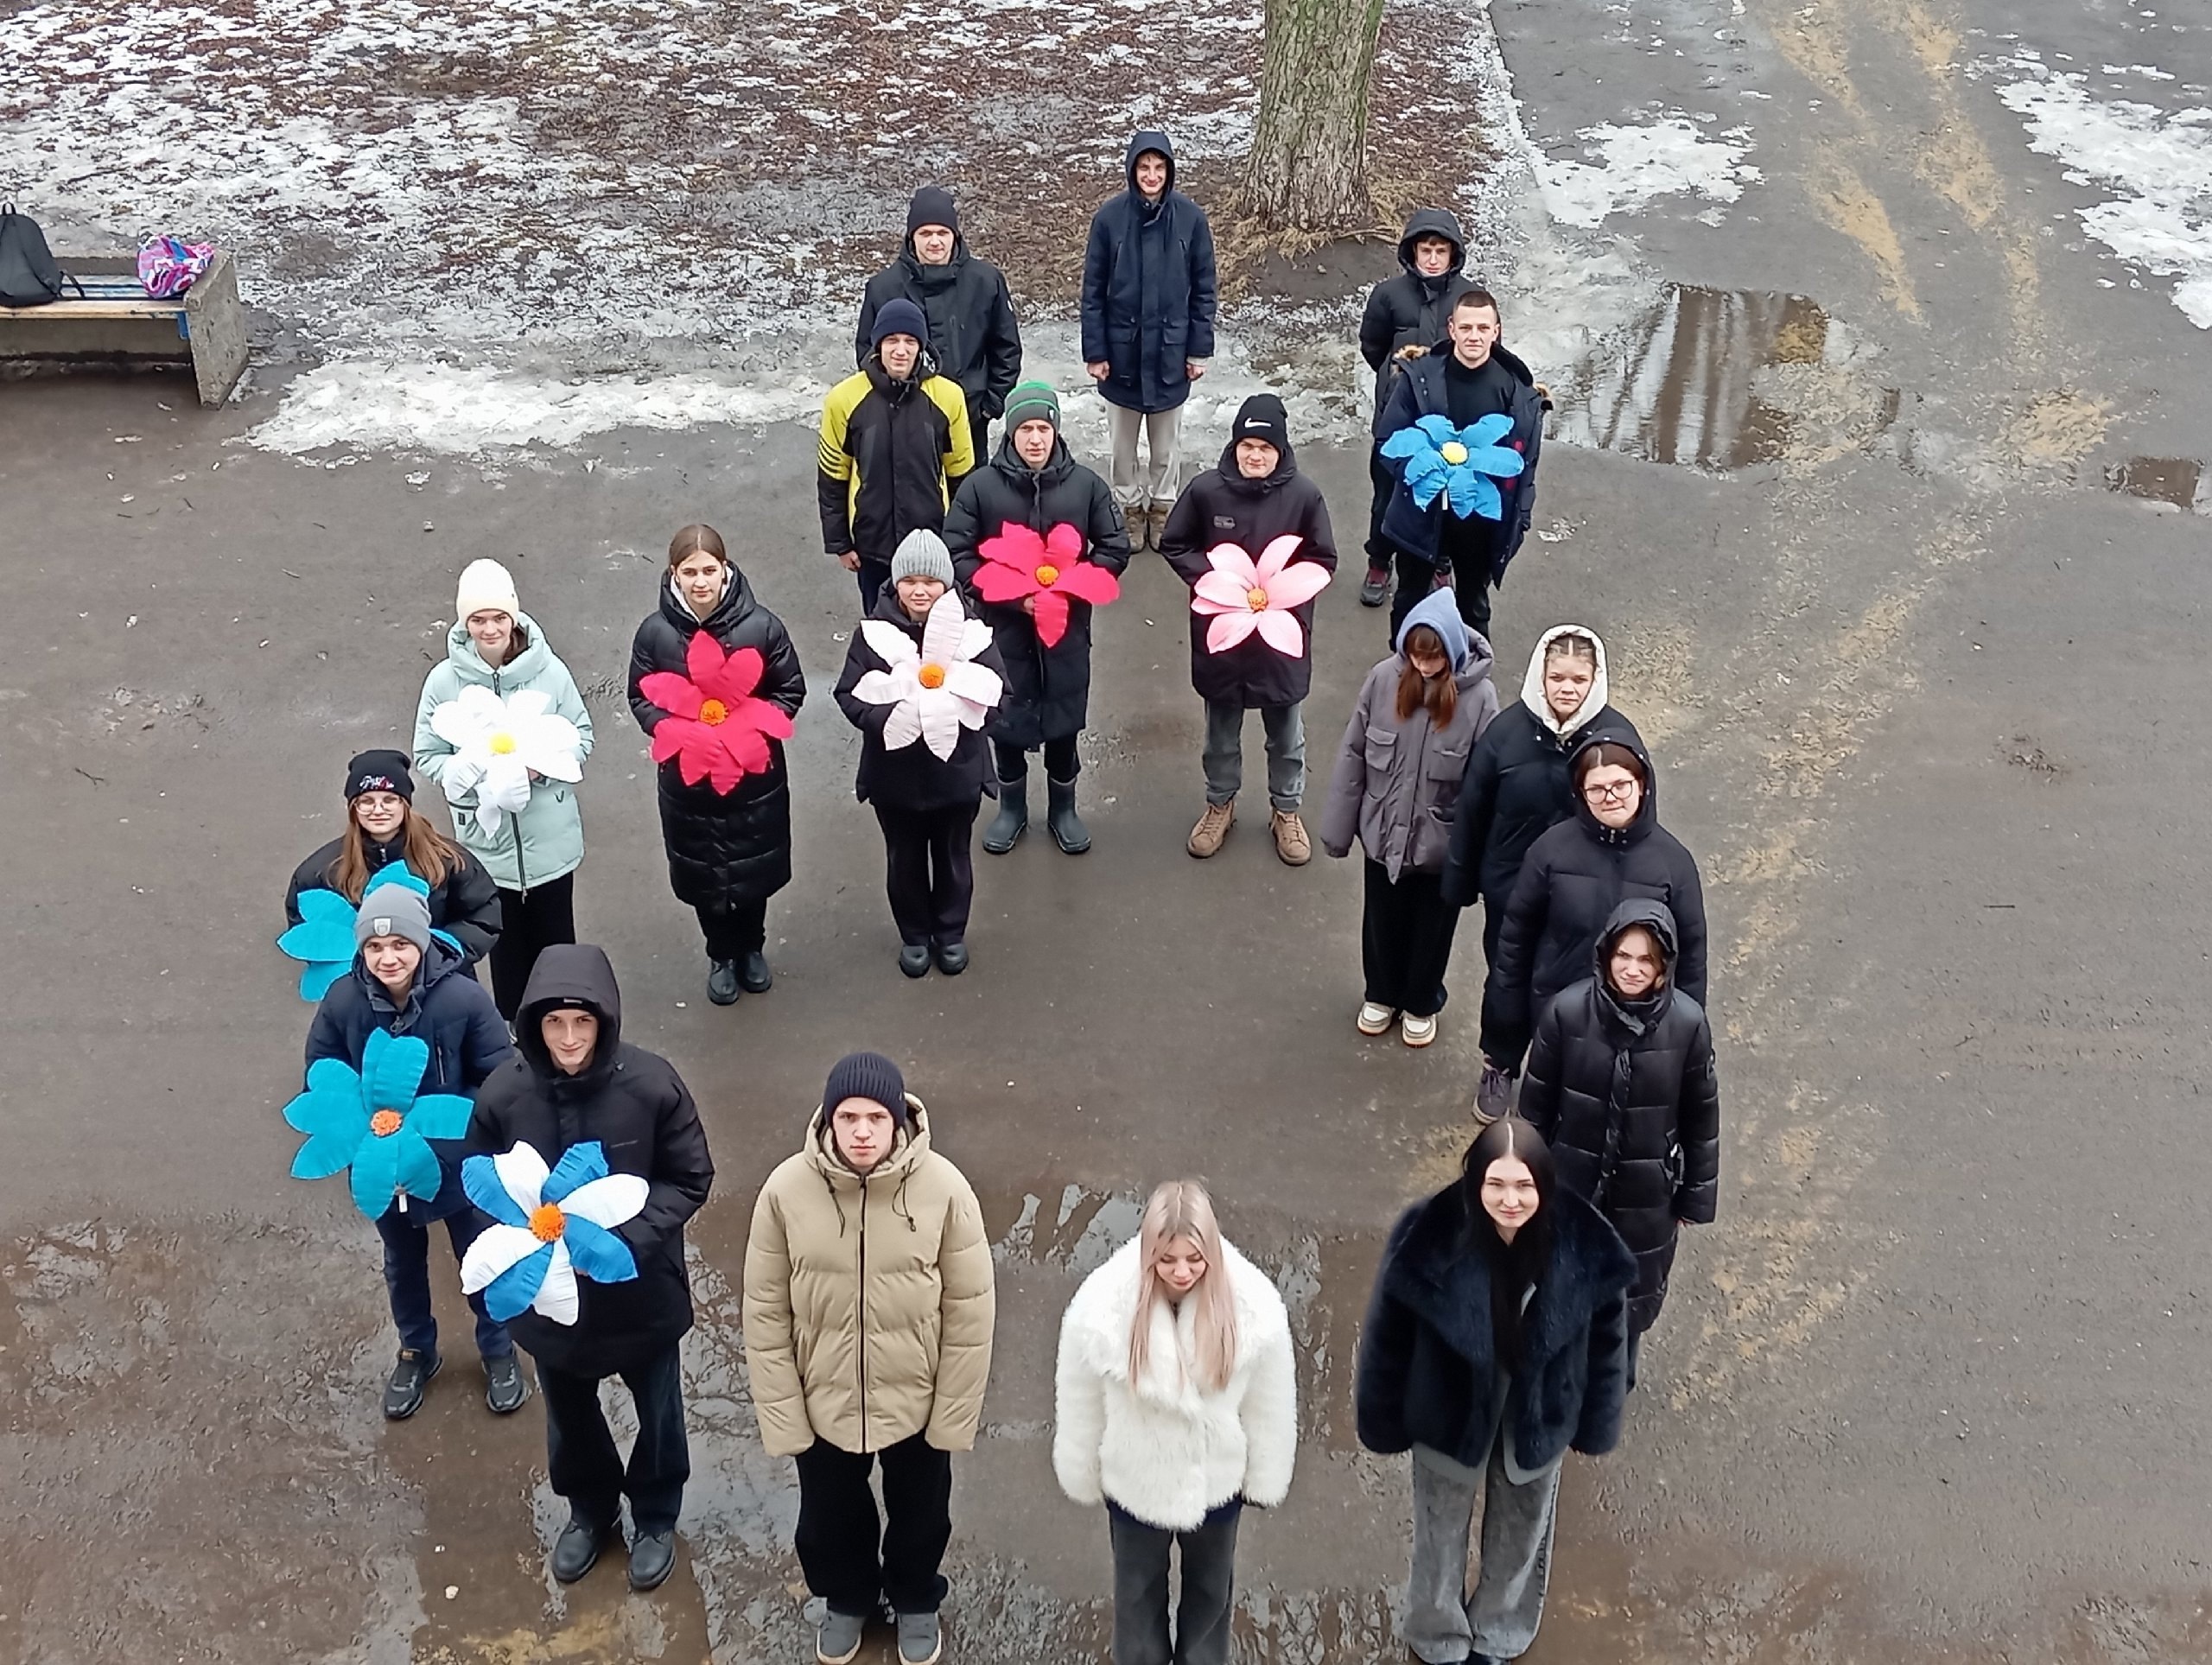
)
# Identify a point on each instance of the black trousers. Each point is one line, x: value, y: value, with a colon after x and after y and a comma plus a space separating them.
x: 849, y: 1557
x: 529, y: 920
x: 1384, y: 482
x: 1405, y: 940
x: 735, y: 929
x: 872, y: 576
x: 1416, y: 577
x: 1202, y: 1616
x: 580, y: 1453
x: 929, y: 871
x: 1061, y: 762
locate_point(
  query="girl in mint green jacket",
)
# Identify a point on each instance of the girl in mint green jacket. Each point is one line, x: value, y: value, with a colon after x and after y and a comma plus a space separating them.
x: 534, y: 856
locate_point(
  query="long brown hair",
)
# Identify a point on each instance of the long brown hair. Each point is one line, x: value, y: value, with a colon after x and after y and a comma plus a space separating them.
x: 697, y: 540
x: 1441, y: 694
x: 429, y: 853
x: 1181, y: 1209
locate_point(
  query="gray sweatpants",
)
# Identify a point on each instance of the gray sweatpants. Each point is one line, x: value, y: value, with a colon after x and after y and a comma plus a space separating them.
x: 1284, y: 727
x: 1163, y: 434
x: 1443, y: 1622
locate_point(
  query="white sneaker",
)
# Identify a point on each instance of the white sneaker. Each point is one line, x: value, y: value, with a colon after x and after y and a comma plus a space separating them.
x: 1374, y: 1020
x: 1417, y: 1032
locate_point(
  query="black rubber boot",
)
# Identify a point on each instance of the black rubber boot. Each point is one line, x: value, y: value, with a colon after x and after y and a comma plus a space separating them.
x: 1068, y: 831
x: 1012, y: 820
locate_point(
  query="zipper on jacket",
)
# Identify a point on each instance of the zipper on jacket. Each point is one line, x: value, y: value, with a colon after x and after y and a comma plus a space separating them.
x: 860, y: 1316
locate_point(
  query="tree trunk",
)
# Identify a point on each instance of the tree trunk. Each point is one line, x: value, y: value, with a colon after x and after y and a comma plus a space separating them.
x: 1307, y: 170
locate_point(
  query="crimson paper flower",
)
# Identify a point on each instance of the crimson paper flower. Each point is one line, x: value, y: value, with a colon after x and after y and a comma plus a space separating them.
x: 1018, y: 563
x: 716, y: 729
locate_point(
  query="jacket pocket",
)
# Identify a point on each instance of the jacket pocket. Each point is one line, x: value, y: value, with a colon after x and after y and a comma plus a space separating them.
x: 1445, y: 763
x: 1382, y: 754
x: 1432, y: 839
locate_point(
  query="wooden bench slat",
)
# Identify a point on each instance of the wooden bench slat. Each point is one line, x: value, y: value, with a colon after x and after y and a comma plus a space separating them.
x: 144, y: 307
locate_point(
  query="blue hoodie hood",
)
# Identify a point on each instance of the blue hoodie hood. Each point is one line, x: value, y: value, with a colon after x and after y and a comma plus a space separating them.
x: 1439, y: 611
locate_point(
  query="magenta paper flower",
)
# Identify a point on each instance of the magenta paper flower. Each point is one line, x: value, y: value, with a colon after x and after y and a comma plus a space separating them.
x: 1241, y: 595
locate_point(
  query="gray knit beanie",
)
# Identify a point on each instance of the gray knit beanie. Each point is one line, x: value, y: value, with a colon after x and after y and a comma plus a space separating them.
x: 922, y: 554
x: 393, y: 911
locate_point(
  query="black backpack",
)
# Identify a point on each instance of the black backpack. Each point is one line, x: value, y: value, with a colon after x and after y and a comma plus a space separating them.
x: 28, y: 273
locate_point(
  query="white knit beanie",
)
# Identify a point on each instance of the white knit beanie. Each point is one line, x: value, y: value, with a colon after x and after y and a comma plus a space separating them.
x: 486, y: 588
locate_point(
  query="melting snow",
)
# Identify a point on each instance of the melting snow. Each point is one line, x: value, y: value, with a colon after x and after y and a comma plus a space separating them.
x: 1637, y: 165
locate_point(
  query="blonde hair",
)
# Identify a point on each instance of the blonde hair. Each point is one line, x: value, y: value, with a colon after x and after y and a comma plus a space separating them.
x: 1181, y: 1209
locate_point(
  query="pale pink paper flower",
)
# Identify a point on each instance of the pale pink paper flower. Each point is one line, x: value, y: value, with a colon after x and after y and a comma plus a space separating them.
x: 1241, y: 596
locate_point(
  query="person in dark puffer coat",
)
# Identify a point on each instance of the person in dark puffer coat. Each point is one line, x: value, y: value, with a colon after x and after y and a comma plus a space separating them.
x: 1035, y: 482
x: 634, y: 1105
x: 406, y: 982
x: 727, y: 853
x: 1620, y: 1083
x: 1575, y: 875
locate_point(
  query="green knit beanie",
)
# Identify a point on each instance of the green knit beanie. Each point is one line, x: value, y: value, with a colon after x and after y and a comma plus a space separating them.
x: 1030, y: 401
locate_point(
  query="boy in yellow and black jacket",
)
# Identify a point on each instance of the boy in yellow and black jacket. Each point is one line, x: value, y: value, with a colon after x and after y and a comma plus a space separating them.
x: 896, y: 445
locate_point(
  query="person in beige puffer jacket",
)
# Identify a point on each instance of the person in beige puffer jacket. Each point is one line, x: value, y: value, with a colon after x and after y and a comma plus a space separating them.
x: 869, y: 1308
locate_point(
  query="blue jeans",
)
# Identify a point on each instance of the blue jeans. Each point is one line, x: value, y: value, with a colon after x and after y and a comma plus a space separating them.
x: 581, y: 1458
x: 407, y: 1279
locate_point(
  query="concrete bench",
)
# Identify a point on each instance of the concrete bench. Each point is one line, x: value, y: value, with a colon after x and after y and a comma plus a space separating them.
x: 117, y: 322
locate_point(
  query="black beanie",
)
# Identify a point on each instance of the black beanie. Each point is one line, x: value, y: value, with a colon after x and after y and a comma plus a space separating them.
x: 867, y: 1075
x: 383, y: 771
x: 1263, y: 417
x: 932, y: 205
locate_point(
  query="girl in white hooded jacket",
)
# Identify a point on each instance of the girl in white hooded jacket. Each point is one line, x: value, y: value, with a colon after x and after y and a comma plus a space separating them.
x: 1177, y: 1404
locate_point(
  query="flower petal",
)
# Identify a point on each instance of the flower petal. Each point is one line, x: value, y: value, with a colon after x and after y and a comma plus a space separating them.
x: 324, y: 1154
x: 1084, y: 583
x: 1438, y: 429
x: 579, y: 1165
x: 740, y: 675
x: 939, y: 721
x: 418, y: 1170
x: 978, y: 682
x: 376, y: 1175
x: 745, y: 752
x: 392, y: 1067
x: 1406, y: 442
x: 609, y: 1200
x: 1281, y: 631
x: 1065, y: 543
x: 891, y: 644
x: 1296, y: 585
x: 1052, y: 616
x: 1488, y: 430
x: 998, y: 584
x: 1273, y: 558
x: 1016, y: 546
x: 334, y: 1075
x: 481, y: 1178
x: 1227, y: 559
x: 904, y: 726
x: 514, y: 1292
x: 597, y: 1253
x: 440, y: 1115
x: 677, y: 695
x: 1228, y: 629
x: 316, y: 980
x: 320, y: 1111
x: 1225, y: 590
x: 497, y: 1250
x: 885, y: 687
x: 523, y: 1171
x: 527, y: 705
x: 556, y: 1295
x: 944, y: 632
x: 975, y: 637
x: 702, y: 657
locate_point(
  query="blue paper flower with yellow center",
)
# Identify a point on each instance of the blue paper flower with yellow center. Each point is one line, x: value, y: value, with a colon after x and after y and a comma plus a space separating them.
x: 1460, y: 464
x: 324, y: 935
x: 373, y: 1122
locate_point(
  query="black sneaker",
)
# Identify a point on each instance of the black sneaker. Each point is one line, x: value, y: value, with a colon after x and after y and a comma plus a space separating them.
x: 1374, y: 589
x: 504, y: 1389
x: 410, y: 1377
x: 752, y: 974
x: 577, y: 1549
x: 914, y: 959
x: 721, y: 983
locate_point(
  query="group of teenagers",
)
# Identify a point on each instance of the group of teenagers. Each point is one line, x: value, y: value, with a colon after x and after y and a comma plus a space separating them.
x: 1507, y: 1316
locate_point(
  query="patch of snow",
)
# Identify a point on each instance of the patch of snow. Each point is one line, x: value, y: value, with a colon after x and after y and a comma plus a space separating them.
x: 2158, y: 164
x: 1638, y: 165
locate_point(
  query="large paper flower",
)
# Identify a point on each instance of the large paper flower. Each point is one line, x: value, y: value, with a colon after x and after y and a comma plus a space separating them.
x: 1018, y: 563
x: 498, y: 743
x: 324, y: 935
x: 1242, y: 595
x: 716, y: 727
x: 374, y: 1122
x: 936, y: 691
x: 548, y: 1227
x: 1456, y: 463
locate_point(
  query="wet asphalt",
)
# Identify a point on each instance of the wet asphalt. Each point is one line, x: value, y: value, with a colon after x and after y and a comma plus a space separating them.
x: 1920, y: 688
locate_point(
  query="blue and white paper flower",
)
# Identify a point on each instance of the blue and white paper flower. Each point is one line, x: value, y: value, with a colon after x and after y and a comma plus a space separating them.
x: 324, y: 935
x: 551, y: 1227
x: 373, y: 1122
x: 1461, y: 465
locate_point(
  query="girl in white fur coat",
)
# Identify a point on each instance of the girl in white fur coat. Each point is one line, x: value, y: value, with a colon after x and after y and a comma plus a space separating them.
x: 1177, y: 1405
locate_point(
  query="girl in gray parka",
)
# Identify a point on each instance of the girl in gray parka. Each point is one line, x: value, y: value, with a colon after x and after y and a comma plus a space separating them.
x: 534, y: 856
x: 1396, y: 782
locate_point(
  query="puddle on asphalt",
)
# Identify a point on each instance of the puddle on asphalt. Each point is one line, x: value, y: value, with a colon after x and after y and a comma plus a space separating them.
x: 1702, y: 378
x: 2177, y: 480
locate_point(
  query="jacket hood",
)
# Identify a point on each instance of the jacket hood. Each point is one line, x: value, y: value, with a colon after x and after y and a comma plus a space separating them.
x: 570, y: 971
x: 907, y: 1150
x: 1532, y: 685
x: 1647, y: 813
x: 469, y: 666
x: 736, y: 603
x: 1141, y: 142
x: 1439, y: 611
x: 1433, y: 222
x: 1657, y: 918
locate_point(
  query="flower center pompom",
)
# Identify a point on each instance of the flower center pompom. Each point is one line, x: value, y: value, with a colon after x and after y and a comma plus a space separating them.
x: 547, y: 1223
x: 713, y: 712
x: 1257, y: 599
x: 931, y: 676
x: 1048, y: 576
x: 385, y: 1123
x: 1452, y: 452
x: 502, y: 743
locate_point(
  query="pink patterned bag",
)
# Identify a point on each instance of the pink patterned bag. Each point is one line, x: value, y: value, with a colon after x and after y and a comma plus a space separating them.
x: 168, y: 266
